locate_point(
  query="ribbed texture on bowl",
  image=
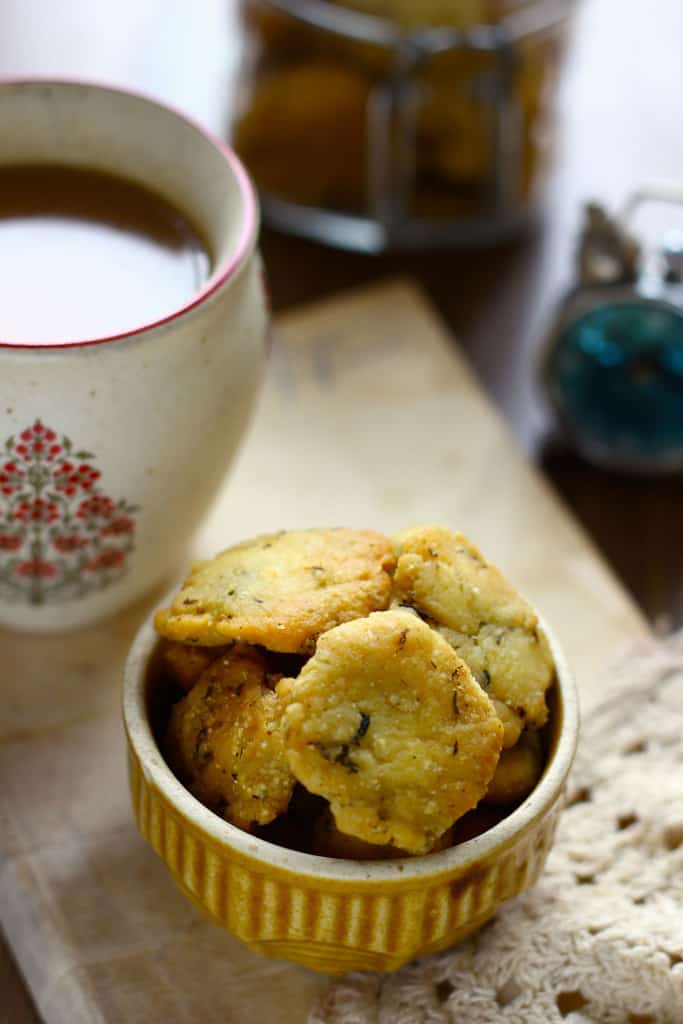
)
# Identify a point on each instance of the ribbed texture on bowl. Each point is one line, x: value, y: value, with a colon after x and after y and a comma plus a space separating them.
x: 335, y: 925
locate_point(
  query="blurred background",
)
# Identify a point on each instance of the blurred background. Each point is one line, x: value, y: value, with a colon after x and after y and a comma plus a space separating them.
x: 592, y: 103
x: 481, y: 140
x: 597, y: 94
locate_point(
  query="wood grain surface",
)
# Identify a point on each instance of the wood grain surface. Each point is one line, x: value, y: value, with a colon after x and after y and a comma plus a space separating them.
x: 620, y: 105
x: 357, y: 425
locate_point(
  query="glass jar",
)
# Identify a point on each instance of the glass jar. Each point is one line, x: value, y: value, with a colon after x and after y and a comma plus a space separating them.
x: 371, y: 126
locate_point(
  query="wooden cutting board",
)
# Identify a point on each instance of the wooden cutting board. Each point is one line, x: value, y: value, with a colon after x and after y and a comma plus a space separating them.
x: 369, y: 417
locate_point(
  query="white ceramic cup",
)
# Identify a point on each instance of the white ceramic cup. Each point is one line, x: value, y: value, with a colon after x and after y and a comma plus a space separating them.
x: 111, y: 449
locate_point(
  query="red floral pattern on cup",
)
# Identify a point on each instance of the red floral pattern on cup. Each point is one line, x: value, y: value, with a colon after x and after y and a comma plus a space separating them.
x: 61, y: 537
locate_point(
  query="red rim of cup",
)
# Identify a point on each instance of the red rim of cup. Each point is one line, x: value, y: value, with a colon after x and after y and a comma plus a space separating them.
x: 227, y: 269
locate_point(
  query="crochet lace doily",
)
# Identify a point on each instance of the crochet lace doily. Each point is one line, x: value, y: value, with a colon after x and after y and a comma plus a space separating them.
x: 599, y: 940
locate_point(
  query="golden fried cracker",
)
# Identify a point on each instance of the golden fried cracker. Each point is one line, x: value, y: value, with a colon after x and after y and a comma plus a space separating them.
x: 449, y: 582
x: 518, y: 771
x: 328, y: 841
x: 224, y: 741
x: 386, y: 722
x: 282, y: 590
x: 187, y: 663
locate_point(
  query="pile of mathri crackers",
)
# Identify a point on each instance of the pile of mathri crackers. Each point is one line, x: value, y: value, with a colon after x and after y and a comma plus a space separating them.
x: 351, y: 695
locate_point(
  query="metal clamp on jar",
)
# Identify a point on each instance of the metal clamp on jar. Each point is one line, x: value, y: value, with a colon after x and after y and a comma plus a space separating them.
x: 370, y: 126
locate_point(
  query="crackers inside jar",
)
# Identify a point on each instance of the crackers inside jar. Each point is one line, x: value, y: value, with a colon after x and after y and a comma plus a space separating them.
x: 304, y: 135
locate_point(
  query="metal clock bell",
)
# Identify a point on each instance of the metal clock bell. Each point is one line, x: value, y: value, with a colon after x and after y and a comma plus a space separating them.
x: 613, y: 364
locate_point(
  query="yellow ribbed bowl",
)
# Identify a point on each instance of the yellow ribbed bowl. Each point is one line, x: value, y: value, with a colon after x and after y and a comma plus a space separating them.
x: 338, y: 915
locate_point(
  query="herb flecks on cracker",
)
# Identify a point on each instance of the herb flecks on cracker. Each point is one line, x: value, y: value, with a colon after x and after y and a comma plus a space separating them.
x: 282, y: 591
x: 373, y: 726
x: 447, y: 580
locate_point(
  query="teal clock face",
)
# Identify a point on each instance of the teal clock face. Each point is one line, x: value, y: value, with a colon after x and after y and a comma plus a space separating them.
x: 616, y: 374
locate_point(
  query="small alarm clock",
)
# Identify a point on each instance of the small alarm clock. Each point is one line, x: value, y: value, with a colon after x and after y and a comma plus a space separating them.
x: 612, y: 367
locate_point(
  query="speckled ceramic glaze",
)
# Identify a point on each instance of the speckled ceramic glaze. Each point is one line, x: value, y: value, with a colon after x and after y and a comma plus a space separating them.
x: 111, y: 449
x: 338, y: 915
